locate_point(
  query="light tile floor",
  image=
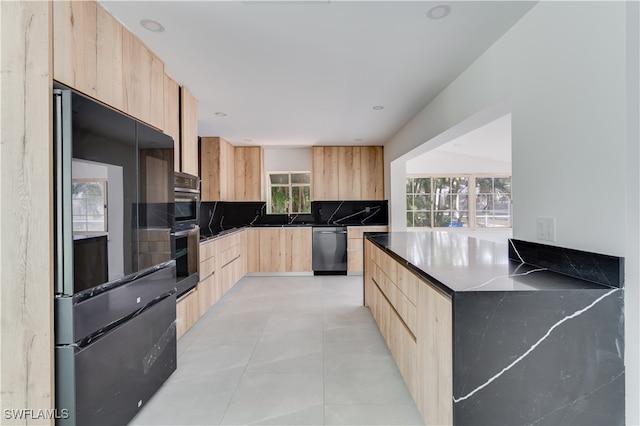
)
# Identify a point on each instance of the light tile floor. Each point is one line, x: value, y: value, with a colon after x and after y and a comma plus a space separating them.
x: 284, y: 351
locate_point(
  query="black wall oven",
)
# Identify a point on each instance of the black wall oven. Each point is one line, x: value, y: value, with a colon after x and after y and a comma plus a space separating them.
x: 186, y: 243
x: 186, y: 232
x: 187, y: 200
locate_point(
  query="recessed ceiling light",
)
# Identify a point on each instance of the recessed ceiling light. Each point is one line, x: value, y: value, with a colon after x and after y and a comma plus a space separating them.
x: 248, y: 140
x: 152, y: 25
x: 438, y: 12
x: 378, y: 107
x: 221, y: 114
x: 358, y: 140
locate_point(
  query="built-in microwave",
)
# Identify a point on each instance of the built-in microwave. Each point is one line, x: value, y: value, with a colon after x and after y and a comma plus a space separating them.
x: 186, y: 200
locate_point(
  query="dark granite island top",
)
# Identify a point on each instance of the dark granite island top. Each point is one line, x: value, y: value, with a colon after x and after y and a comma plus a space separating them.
x: 530, y: 345
x: 456, y: 263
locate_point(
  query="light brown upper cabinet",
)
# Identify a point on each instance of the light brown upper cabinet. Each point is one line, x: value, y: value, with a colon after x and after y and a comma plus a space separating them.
x: 248, y: 173
x: 216, y: 169
x: 189, y: 132
x: 348, y: 173
x: 87, y: 50
x: 143, y: 81
x: 230, y: 173
x: 94, y: 54
x: 172, y: 116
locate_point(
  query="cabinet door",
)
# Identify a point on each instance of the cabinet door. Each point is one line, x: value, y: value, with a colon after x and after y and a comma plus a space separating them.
x: 371, y: 173
x: 248, y: 173
x: 325, y: 172
x: 272, y: 245
x: 75, y: 45
x: 349, y: 181
x: 187, y: 312
x: 297, y: 251
x: 143, y: 81
x: 435, y: 366
x: 172, y: 116
x: 216, y: 169
x: 189, y: 126
x: 109, y: 86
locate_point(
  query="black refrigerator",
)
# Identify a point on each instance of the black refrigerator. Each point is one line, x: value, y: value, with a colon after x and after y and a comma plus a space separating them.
x: 115, y: 337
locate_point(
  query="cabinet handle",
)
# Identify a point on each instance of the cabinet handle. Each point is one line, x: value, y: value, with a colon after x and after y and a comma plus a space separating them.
x: 231, y: 261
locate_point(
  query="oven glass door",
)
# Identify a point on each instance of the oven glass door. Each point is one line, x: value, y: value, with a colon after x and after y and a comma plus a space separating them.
x: 186, y: 208
x: 186, y: 257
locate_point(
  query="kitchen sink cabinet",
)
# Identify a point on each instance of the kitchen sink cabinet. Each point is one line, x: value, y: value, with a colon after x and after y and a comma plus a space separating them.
x: 348, y: 173
x: 280, y: 249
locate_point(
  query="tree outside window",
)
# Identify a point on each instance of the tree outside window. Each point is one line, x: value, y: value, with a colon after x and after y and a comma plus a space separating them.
x: 289, y: 192
x: 445, y: 201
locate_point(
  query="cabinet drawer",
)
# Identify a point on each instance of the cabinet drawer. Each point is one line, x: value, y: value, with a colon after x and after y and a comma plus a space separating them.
x: 207, y: 250
x: 230, y: 254
x: 207, y: 268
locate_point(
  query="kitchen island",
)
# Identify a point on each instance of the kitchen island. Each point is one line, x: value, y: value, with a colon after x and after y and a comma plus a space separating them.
x: 487, y: 333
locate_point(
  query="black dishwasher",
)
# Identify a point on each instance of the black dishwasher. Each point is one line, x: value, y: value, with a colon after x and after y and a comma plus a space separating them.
x: 330, y: 250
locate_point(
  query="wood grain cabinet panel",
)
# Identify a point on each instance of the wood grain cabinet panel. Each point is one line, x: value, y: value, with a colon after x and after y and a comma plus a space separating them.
x: 325, y: 173
x: 217, y: 170
x: 355, y: 246
x: 172, y: 116
x: 372, y: 173
x: 187, y: 312
x: 75, y: 45
x: 143, y: 81
x: 279, y: 250
x: 415, y: 320
x: 189, y: 132
x: 248, y: 167
x: 348, y: 173
x: 87, y: 50
x: 298, y: 244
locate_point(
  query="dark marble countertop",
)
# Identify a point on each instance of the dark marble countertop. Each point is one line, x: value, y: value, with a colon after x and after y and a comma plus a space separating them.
x: 207, y: 234
x: 456, y: 263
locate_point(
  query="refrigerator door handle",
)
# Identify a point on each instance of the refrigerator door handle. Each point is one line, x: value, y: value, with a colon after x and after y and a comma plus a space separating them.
x: 63, y: 212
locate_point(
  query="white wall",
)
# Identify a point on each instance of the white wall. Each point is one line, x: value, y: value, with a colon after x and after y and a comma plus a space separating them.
x: 448, y: 162
x: 287, y: 159
x: 562, y: 71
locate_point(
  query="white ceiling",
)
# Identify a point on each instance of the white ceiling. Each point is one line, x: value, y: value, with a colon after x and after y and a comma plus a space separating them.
x: 299, y: 73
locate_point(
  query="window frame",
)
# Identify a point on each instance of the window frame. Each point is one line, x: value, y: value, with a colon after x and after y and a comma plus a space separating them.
x: 290, y: 186
x: 472, y: 200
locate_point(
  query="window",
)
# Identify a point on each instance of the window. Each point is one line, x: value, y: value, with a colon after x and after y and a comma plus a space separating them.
x: 89, y: 206
x: 289, y: 192
x: 445, y: 201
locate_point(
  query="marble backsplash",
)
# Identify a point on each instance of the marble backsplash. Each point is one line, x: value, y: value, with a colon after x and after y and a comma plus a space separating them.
x: 594, y: 267
x: 217, y: 216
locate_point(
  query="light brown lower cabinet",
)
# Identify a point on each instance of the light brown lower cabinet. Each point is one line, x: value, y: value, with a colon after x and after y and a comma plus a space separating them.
x: 223, y: 262
x: 187, y: 312
x: 415, y: 320
x: 279, y: 249
x: 354, y: 246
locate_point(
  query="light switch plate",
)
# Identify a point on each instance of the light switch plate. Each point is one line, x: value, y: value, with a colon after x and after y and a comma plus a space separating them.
x: 546, y: 228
